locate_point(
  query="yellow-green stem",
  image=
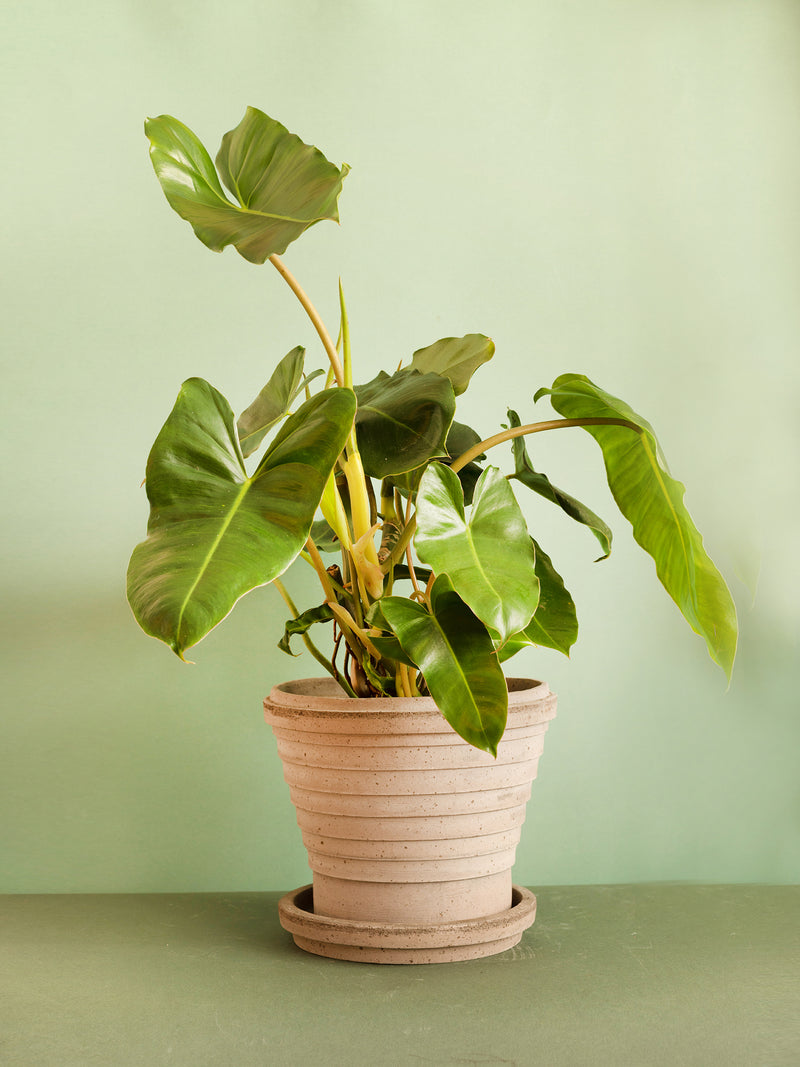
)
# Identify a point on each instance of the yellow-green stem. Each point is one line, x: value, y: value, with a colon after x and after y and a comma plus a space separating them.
x: 533, y: 427
x: 313, y: 314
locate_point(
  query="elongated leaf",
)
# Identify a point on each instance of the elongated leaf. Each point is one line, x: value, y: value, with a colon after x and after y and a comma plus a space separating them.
x: 272, y: 403
x: 653, y: 503
x: 403, y: 421
x: 488, y: 558
x: 214, y: 533
x: 455, y: 653
x: 456, y: 358
x: 542, y: 485
x: 302, y: 624
x: 555, y: 622
x: 281, y: 185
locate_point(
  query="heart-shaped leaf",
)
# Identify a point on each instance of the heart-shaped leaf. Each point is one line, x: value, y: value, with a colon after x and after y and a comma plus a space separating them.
x: 281, y: 185
x: 542, y: 485
x: 456, y: 358
x: 489, y: 557
x: 214, y: 533
x: 272, y: 403
x: 653, y: 503
x: 403, y: 420
x: 455, y: 653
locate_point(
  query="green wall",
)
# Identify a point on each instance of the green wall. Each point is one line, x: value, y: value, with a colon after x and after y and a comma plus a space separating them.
x: 604, y: 187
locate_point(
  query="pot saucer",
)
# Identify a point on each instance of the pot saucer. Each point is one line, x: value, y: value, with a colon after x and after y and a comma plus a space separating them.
x: 373, y: 942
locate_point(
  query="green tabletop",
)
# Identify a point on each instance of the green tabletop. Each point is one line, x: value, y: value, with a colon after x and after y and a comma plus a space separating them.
x: 643, y: 975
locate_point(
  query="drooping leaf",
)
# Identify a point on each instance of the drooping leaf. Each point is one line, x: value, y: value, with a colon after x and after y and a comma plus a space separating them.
x: 652, y: 501
x: 302, y: 624
x: 402, y: 421
x: 456, y: 358
x: 272, y: 403
x: 489, y: 557
x: 455, y: 653
x: 555, y: 622
x: 214, y: 533
x: 281, y: 185
x: 542, y: 485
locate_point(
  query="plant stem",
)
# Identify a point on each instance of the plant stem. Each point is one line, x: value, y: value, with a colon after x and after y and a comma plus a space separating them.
x: 534, y: 427
x: 321, y: 570
x: 313, y: 314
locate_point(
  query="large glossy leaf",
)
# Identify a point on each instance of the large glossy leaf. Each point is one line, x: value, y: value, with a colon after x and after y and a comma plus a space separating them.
x: 555, y: 623
x: 489, y: 557
x: 281, y: 185
x: 542, y: 485
x: 214, y: 533
x: 455, y: 653
x: 272, y: 403
x: 456, y: 358
x: 402, y: 421
x: 653, y: 503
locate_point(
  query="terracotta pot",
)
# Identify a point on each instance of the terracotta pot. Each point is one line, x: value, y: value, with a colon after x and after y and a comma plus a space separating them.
x: 411, y: 833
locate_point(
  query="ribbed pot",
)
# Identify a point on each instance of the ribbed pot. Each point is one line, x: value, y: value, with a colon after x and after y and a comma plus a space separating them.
x: 405, y: 823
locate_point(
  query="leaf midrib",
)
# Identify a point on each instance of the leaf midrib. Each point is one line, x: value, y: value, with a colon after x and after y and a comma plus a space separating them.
x: 232, y: 512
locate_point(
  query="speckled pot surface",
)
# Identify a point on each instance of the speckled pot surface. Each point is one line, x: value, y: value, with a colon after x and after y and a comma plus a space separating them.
x: 404, y: 823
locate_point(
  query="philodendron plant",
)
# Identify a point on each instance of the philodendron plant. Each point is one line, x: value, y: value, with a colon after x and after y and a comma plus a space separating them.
x: 432, y: 578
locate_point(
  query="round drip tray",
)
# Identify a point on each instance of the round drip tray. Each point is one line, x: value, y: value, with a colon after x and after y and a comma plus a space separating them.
x: 372, y: 942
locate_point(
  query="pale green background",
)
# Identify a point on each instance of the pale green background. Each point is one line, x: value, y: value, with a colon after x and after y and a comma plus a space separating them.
x: 604, y: 187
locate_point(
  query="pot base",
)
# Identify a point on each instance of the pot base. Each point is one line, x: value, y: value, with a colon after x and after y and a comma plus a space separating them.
x: 374, y: 942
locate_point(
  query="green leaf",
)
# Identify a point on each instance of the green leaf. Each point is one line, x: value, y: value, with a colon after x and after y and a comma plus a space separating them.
x: 214, y: 533
x: 272, y: 403
x: 324, y: 537
x: 555, y: 622
x: 388, y: 646
x: 653, y: 503
x: 542, y: 485
x: 459, y: 438
x: 281, y: 185
x: 302, y: 624
x: 488, y: 558
x: 455, y: 653
x: 456, y: 358
x: 403, y: 421
x: 400, y: 573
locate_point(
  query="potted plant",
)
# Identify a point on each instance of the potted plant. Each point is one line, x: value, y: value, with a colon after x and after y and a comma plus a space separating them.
x: 411, y: 762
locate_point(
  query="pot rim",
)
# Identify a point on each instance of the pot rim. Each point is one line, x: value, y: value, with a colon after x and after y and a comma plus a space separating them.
x: 322, y: 699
